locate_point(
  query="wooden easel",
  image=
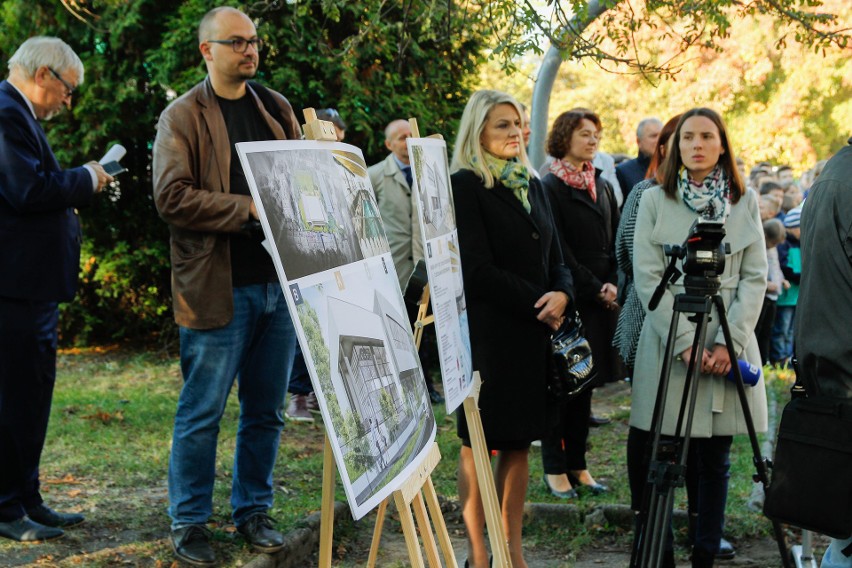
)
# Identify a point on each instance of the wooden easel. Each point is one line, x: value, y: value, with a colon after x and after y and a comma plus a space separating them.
x: 482, y: 461
x: 409, y: 494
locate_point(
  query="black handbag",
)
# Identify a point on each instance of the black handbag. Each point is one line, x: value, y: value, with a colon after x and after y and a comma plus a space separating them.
x: 811, y: 484
x: 572, y: 367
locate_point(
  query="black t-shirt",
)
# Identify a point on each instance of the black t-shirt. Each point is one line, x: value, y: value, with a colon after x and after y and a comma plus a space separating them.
x: 250, y: 263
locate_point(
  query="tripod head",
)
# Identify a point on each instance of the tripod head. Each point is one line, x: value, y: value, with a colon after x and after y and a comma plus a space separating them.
x: 703, y: 256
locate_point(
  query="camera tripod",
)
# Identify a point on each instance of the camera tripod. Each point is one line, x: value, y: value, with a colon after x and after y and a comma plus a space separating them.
x: 668, y: 457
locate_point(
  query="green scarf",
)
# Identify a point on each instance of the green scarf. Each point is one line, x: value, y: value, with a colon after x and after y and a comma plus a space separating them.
x: 513, y: 175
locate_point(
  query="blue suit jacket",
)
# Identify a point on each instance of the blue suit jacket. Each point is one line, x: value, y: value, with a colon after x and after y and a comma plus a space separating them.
x: 39, y: 229
x: 631, y: 172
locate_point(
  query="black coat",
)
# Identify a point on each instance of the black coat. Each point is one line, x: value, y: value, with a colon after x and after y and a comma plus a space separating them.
x: 587, y: 231
x: 824, y: 306
x: 510, y: 258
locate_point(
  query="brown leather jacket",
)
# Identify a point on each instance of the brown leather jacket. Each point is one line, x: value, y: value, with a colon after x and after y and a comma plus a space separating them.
x: 191, y: 169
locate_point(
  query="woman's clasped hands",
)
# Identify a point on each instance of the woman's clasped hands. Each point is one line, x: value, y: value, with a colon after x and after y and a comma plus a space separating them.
x: 715, y: 362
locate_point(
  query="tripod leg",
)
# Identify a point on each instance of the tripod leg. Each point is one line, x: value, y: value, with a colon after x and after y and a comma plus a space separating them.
x: 666, y: 473
x: 760, y: 463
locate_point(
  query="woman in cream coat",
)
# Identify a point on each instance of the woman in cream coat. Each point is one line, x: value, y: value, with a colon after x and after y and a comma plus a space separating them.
x: 700, y: 179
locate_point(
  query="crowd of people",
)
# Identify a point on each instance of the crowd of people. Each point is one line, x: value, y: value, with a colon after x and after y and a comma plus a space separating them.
x: 536, y: 246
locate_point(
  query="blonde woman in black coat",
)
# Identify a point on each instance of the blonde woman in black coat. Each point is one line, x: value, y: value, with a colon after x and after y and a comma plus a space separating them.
x: 517, y: 291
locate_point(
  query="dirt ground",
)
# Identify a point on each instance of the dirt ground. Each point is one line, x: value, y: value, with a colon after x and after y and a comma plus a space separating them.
x: 603, y: 550
x: 104, y: 540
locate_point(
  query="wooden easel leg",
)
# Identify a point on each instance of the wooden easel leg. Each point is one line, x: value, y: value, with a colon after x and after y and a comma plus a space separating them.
x: 426, y: 531
x: 377, y: 534
x: 434, y: 506
x: 485, y: 477
x: 409, y: 530
x: 327, y: 517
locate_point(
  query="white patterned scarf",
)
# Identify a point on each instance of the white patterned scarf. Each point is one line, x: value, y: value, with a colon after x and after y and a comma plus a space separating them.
x: 710, y: 198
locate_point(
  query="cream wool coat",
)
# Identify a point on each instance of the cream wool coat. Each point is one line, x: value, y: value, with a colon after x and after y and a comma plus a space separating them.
x: 397, y: 205
x: 662, y: 220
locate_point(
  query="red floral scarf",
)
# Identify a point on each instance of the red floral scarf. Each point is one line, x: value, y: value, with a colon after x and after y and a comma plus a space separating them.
x: 583, y: 179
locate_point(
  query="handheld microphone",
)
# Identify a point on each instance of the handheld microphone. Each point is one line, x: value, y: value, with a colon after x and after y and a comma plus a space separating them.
x: 751, y: 373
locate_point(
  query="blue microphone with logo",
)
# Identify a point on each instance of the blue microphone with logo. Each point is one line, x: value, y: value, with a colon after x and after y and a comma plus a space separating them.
x: 750, y: 373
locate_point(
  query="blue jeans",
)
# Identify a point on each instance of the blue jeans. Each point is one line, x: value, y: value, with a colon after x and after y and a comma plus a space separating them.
x: 782, y: 334
x: 258, y: 345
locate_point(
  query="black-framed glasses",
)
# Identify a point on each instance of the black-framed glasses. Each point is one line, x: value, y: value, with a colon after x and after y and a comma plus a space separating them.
x: 69, y: 90
x: 240, y: 45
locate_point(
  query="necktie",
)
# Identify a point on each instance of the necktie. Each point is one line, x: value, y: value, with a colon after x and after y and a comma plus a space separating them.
x: 407, y: 171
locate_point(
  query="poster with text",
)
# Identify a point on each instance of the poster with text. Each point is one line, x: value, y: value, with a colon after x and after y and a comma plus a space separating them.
x: 443, y: 265
x: 326, y: 238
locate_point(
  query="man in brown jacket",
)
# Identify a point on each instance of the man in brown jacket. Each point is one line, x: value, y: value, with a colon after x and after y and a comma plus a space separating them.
x: 228, y: 303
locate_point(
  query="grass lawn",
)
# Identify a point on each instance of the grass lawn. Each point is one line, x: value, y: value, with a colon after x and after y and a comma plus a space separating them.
x: 107, y: 456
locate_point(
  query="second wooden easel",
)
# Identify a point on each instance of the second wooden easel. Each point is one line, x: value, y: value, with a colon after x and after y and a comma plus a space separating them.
x: 479, y: 447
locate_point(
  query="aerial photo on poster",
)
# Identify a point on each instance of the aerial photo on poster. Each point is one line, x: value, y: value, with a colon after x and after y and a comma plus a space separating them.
x: 323, y: 229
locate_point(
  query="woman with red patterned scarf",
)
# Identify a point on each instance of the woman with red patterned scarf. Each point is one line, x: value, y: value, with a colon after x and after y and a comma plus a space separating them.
x: 587, y: 216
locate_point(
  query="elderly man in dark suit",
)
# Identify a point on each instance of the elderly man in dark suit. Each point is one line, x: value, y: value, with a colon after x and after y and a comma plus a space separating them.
x: 39, y: 262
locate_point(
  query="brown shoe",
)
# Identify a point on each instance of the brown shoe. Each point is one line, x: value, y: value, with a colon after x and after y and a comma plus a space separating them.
x: 311, y: 402
x: 297, y: 409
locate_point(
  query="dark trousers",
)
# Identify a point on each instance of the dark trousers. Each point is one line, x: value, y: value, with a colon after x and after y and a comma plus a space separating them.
x: 763, y: 329
x: 428, y: 351
x: 707, y: 473
x: 28, y: 336
x: 564, y: 449
x: 300, y: 380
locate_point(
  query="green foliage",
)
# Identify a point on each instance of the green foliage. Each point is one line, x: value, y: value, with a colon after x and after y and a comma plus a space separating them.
x: 122, y: 281
x: 374, y: 61
x: 616, y: 38
x: 787, y: 105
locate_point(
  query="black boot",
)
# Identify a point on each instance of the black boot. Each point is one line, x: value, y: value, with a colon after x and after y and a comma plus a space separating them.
x: 691, y: 523
x: 702, y: 558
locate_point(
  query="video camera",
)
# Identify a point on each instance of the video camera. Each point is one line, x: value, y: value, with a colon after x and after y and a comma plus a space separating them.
x: 703, y: 254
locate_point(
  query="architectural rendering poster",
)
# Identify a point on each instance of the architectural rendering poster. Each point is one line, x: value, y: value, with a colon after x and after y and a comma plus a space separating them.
x: 326, y: 238
x: 443, y: 265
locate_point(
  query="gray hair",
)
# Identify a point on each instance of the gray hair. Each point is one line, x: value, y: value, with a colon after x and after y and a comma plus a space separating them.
x: 43, y: 51
x: 467, y: 153
x: 393, y: 125
x: 645, y: 122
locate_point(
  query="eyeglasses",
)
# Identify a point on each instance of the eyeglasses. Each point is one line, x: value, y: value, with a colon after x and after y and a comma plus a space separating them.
x: 69, y: 90
x: 240, y: 45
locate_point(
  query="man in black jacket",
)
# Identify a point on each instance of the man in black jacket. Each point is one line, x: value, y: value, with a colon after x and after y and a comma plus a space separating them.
x: 825, y: 298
